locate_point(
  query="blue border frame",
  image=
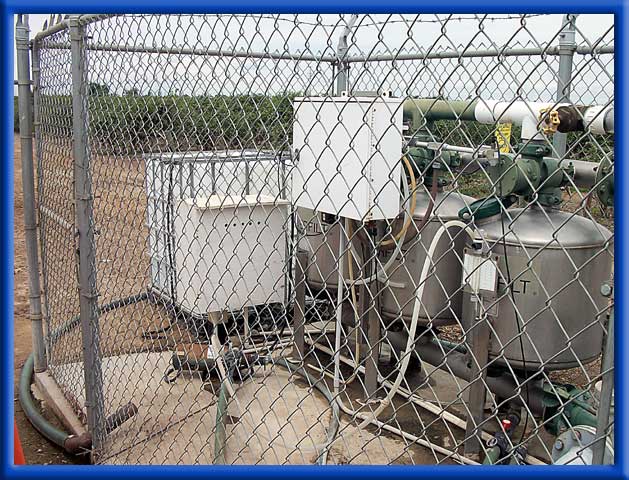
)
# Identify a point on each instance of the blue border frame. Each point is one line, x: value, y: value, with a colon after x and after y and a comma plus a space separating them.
x: 620, y: 8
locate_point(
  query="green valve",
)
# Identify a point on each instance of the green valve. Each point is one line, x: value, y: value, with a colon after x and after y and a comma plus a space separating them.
x: 486, y: 207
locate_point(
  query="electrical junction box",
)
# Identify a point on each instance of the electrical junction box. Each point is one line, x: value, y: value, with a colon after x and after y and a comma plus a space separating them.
x: 230, y: 252
x: 173, y: 176
x: 348, y: 156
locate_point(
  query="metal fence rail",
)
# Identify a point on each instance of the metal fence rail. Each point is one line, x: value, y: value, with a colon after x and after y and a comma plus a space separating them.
x: 327, y: 238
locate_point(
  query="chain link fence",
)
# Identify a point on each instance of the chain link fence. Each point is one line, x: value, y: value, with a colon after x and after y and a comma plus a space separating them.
x: 341, y: 239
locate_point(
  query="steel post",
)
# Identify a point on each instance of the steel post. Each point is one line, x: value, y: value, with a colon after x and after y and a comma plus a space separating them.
x: 28, y: 189
x: 88, y: 302
x: 567, y: 48
x: 603, y: 419
x: 342, y: 76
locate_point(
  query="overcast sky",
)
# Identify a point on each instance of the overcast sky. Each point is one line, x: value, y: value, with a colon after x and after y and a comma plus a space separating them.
x: 318, y: 34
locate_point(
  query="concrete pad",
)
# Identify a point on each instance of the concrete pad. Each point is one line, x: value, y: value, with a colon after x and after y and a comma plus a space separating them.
x: 281, y: 420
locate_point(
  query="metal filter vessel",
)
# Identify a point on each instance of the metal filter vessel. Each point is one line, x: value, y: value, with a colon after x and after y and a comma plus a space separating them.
x: 321, y: 240
x: 442, y: 297
x: 557, y: 262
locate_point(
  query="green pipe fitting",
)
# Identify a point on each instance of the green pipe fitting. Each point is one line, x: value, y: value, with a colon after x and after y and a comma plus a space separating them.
x: 566, y: 406
x: 448, y: 345
x: 605, y: 182
x: 492, y: 456
x: 530, y: 173
x: 420, y: 110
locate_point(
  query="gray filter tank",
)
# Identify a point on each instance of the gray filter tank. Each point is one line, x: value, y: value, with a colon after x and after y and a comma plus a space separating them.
x: 321, y: 240
x: 557, y: 262
x: 442, y: 296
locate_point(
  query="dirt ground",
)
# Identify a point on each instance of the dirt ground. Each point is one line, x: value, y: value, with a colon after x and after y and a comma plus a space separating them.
x: 37, y: 450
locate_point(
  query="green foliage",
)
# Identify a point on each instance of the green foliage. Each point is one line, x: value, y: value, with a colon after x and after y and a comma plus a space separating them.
x: 133, y: 123
x: 97, y: 89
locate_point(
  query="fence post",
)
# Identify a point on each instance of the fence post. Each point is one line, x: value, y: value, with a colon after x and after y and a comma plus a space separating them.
x: 28, y: 189
x: 85, y: 230
x: 607, y: 388
x: 567, y: 47
x: 342, y: 77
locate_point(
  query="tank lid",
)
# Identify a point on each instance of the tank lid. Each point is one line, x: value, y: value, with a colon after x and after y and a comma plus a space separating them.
x: 447, y: 204
x: 536, y: 226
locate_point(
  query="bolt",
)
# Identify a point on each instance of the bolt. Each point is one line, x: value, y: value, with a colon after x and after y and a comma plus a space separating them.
x: 558, y: 445
x: 606, y: 290
x: 539, y: 151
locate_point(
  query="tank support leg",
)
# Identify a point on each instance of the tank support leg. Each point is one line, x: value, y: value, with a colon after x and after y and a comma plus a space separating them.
x: 477, y: 388
x: 363, y: 311
x: 299, y: 310
x: 372, y: 319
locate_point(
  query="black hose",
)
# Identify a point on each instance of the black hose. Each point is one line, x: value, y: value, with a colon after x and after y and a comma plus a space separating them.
x: 70, y: 443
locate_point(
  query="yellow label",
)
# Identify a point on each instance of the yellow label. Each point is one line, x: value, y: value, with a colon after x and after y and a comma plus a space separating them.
x: 503, y: 137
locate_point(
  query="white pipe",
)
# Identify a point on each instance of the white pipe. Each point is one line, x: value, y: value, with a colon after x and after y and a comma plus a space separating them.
x: 446, y: 147
x: 526, y: 114
x: 425, y: 404
x: 419, y: 293
x: 594, y: 119
x: 398, y: 247
x: 424, y: 443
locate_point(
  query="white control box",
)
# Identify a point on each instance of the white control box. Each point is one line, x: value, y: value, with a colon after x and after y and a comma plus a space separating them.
x: 230, y: 252
x: 348, y: 156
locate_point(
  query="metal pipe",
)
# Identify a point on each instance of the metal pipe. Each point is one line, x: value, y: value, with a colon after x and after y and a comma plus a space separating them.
x: 197, y: 52
x: 64, y: 24
x: 567, y: 47
x: 456, y: 363
x: 583, y: 49
x: 88, y: 304
x: 410, y: 395
x: 342, y: 77
x: 584, y: 173
x: 508, y: 52
x: 28, y: 191
x: 446, y: 147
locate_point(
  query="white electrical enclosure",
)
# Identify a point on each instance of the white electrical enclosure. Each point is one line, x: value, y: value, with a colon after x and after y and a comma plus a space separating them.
x: 348, y: 156
x: 230, y: 252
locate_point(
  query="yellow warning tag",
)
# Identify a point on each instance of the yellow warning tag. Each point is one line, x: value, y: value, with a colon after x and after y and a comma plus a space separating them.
x: 503, y: 137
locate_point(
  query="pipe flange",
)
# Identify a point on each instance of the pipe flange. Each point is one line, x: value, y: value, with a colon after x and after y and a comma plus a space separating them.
x: 574, y: 447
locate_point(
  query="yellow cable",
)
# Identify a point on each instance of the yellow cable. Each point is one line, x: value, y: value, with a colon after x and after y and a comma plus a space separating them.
x: 409, y: 218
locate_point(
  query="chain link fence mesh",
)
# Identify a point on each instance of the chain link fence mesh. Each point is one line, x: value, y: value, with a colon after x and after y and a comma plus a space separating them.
x: 229, y: 161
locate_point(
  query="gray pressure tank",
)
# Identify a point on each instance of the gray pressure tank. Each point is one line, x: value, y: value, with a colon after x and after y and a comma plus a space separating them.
x: 557, y: 262
x: 442, y: 298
